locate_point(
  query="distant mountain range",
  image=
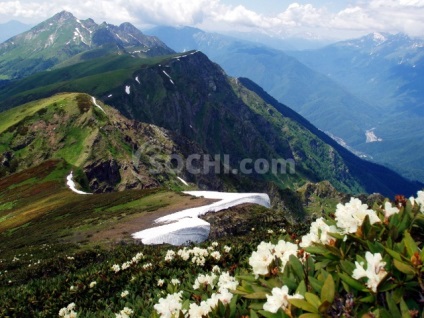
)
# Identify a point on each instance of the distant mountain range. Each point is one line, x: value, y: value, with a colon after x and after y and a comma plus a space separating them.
x: 352, y: 90
x: 63, y: 36
x: 12, y: 28
x: 386, y: 71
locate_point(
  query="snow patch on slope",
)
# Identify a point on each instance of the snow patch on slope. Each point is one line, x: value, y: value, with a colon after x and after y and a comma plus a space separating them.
x: 97, y: 105
x: 187, y: 227
x: 71, y: 184
x: 183, y: 181
x: 371, y: 136
x: 128, y: 89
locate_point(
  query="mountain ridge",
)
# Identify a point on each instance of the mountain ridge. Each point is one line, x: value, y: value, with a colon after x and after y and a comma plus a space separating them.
x: 63, y: 36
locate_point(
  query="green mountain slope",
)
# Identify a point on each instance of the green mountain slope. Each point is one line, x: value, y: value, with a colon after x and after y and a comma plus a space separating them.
x: 192, y: 97
x: 96, y: 140
x: 64, y: 36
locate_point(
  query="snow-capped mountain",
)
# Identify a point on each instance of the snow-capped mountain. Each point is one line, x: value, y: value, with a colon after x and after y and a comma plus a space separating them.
x: 398, y: 48
x: 63, y: 36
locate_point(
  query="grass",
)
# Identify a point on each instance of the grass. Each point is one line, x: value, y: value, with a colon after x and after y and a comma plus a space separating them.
x: 37, y: 199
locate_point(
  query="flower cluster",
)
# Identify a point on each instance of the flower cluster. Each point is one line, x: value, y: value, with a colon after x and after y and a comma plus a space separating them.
x: 224, y: 283
x: 135, y: 260
x: 320, y: 232
x: 279, y: 298
x: 350, y: 216
x: 68, y: 311
x: 169, y: 306
x: 375, y: 271
x: 125, y: 313
x: 266, y: 253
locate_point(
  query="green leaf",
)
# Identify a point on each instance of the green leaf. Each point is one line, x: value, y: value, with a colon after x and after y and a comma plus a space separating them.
x: 297, y: 267
x: 271, y: 283
x: 233, y: 306
x: 253, y: 314
x: 310, y: 316
x: 256, y: 295
x: 394, y: 254
x: 268, y: 314
x: 404, y: 268
x: 256, y: 306
x: 352, y: 282
x: 320, y: 250
x: 301, y: 289
x: 313, y: 300
x: 315, y: 283
x: 368, y: 299
x: 249, y: 278
x: 405, y: 222
x: 404, y: 309
x: 410, y: 244
x: 328, y: 290
x: 303, y: 304
x: 392, y: 306
x: 347, y: 266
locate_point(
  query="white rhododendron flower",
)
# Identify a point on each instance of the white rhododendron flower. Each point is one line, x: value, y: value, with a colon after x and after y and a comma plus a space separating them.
x: 68, y: 311
x: 137, y: 258
x: 283, y: 250
x: 216, y: 269
x: 125, y: 293
x: 262, y: 258
x: 92, y: 284
x: 227, y: 282
x: 170, y: 306
x: 116, y: 268
x: 420, y: 200
x: 227, y: 249
x: 199, y: 311
x: 161, y: 282
x: 351, y: 215
x: 319, y: 233
x: 125, y: 313
x: 389, y: 210
x: 279, y: 299
x: 205, y: 280
x: 216, y: 255
x: 126, y: 265
x: 170, y: 255
x: 147, y: 266
x: 374, y: 272
x: 175, y: 281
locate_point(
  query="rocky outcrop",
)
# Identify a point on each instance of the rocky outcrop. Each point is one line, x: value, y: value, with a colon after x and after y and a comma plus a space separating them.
x: 103, y: 176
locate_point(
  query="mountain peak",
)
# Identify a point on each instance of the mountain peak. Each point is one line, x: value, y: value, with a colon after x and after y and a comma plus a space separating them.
x: 63, y: 16
x: 379, y: 37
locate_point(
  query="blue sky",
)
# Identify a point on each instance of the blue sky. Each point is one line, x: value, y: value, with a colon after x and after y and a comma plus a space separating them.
x: 320, y: 19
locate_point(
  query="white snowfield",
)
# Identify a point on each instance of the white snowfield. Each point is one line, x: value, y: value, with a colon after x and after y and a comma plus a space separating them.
x: 97, y: 105
x: 187, y: 227
x: 71, y: 184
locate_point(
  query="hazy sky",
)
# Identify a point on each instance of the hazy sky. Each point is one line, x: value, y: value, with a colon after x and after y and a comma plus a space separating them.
x: 334, y: 19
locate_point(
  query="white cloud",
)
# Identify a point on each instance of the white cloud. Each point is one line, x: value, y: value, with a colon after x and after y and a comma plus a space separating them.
x: 361, y: 16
